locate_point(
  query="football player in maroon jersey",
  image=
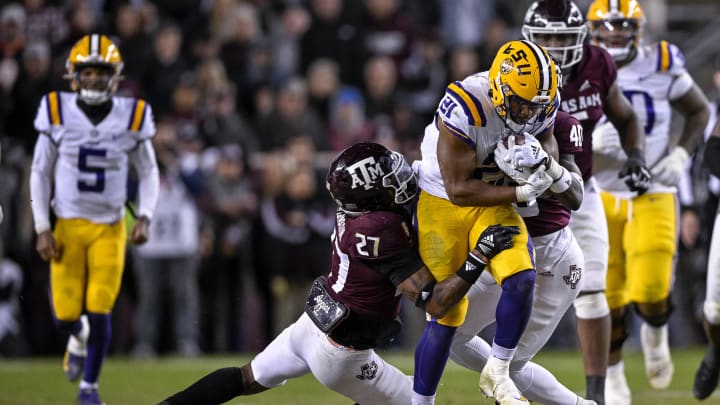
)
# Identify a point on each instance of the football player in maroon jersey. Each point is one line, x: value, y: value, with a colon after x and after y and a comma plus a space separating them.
x: 590, y: 92
x: 355, y: 308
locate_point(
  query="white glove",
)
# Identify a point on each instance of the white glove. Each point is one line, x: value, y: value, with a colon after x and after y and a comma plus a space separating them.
x: 529, y: 154
x: 606, y: 140
x: 503, y: 159
x: 670, y: 169
x: 536, y: 184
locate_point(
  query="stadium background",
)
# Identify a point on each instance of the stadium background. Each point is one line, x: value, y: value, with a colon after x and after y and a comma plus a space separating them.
x: 273, y: 89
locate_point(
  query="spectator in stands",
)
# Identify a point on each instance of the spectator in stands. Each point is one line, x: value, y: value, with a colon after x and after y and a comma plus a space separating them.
x: 166, y: 267
x: 234, y: 203
x: 291, y: 116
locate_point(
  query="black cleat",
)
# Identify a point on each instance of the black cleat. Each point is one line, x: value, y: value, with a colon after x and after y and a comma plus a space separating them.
x: 706, y: 377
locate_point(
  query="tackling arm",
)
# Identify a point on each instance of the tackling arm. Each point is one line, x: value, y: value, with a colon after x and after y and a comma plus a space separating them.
x: 437, y: 298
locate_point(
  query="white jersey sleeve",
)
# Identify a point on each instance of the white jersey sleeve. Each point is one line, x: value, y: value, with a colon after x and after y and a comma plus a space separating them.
x: 671, y: 60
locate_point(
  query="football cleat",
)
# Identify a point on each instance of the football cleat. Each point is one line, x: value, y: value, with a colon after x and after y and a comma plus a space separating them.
x: 583, y: 401
x: 495, y: 382
x: 76, y: 351
x: 617, y: 391
x: 89, y: 396
x: 707, y: 376
x: 656, y: 351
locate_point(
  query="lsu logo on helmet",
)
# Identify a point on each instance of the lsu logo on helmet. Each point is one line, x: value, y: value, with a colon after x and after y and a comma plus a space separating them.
x: 523, y: 85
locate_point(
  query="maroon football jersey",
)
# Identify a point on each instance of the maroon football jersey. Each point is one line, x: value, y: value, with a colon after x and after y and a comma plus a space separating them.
x: 359, y: 244
x: 553, y: 214
x: 584, y: 96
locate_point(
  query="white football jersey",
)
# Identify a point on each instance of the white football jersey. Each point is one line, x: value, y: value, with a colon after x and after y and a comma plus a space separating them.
x: 468, y: 112
x: 91, y: 161
x: 650, y: 82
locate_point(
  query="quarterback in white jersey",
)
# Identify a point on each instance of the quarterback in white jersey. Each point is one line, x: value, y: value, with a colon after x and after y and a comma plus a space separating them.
x: 463, y: 191
x: 642, y: 228
x: 87, y: 140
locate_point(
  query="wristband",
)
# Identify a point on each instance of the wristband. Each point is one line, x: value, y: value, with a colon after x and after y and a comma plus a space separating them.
x: 471, y: 269
x: 554, y: 169
x: 563, y: 183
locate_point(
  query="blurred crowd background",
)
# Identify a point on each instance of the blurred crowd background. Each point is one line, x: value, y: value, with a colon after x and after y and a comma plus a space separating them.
x: 252, y: 99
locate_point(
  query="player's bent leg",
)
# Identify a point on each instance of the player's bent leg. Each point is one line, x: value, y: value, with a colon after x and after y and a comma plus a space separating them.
x: 593, y: 332
x: 593, y: 328
x: 512, y: 314
x: 218, y: 387
x: 431, y: 354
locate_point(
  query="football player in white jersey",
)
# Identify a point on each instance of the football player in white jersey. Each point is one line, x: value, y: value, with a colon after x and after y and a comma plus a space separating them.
x: 463, y: 191
x: 87, y: 140
x: 642, y: 227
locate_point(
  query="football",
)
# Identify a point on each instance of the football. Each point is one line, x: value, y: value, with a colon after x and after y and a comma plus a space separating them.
x: 519, y: 139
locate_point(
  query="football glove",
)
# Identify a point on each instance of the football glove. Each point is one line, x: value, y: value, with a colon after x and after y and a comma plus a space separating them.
x: 503, y: 160
x: 529, y: 154
x: 536, y: 184
x: 635, y: 173
x: 496, y: 238
x: 605, y: 140
x: 670, y: 169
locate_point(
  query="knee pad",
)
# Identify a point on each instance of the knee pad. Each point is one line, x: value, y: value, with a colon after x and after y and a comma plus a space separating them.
x: 656, y: 320
x: 619, y: 330
x: 711, y: 310
x: 591, y: 305
x: 522, y: 282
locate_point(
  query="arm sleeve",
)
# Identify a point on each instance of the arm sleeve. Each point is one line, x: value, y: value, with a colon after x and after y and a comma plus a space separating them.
x: 42, y: 166
x: 143, y: 158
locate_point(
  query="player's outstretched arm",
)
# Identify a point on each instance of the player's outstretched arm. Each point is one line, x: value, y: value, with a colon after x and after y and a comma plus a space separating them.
x: 437, y: 298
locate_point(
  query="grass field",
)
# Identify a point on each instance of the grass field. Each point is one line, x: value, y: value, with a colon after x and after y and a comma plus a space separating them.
x: 127, y: 382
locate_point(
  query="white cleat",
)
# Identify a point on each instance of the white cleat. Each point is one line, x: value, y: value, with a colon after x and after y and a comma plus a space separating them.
x: 656, y: 351
x: 495, y: 382
x: 583, y: 401
x: 617, y: 391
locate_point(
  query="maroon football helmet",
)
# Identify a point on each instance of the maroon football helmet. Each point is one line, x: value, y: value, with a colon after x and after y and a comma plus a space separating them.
x: 369, y: 177
x: 559, y: 27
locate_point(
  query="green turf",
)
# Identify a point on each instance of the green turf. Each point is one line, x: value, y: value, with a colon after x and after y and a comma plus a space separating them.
x: 126, y: 382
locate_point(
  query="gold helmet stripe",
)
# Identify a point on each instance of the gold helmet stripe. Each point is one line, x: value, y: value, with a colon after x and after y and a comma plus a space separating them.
x: 544, y: 62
